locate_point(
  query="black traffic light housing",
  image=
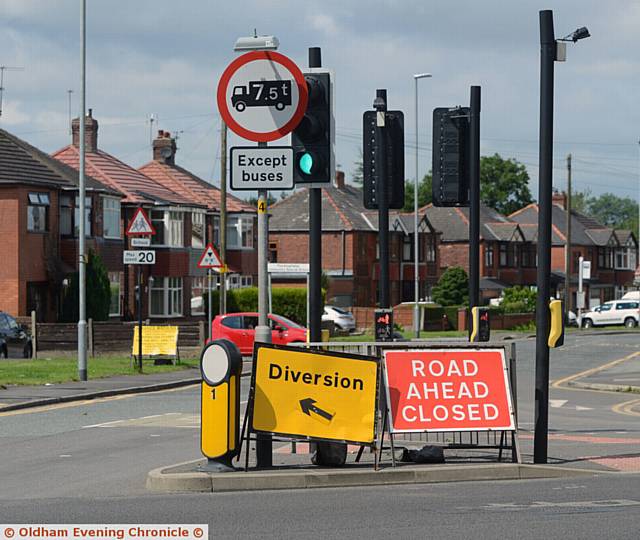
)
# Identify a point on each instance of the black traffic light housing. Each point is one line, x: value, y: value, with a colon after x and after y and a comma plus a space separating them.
x: 480, y: 327
x: 394, y: 121
x: 451, y: 146
x: 313, y: 138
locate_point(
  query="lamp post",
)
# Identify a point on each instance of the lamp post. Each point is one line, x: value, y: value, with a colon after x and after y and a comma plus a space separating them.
x: 551, y: 50
x: 416, y: 251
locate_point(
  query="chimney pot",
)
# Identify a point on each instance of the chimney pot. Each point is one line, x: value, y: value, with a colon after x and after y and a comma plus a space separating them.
x: 90, y: 133
x: 340, y: 179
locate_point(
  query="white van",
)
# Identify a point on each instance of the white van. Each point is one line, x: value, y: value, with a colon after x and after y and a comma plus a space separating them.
x: 617, y: 312
x: 632, y: 295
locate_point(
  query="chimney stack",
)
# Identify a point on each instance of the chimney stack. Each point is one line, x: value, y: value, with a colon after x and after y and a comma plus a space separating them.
x: 340, y: 179
x: 559, y: 198
x: 164, y: 148
x: 90, y: 132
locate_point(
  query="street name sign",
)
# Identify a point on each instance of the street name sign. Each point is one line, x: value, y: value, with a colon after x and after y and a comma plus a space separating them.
x: 262, y: 96
x: 139, y: 256
x: 140, y: 241
x: 210, y: 258
x: 140, y: 224
x: 448, y: 390
x: 288, y: 268
x: 314, y: 394
x: 254, y: 168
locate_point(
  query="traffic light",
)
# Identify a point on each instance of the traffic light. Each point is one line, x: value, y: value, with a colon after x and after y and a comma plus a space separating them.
x: 313, y: 139
x: 480, y: 329
x: 394, y: 125
x: 451, y: 145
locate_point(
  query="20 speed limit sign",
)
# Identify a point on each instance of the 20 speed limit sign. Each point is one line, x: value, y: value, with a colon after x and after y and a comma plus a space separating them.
x: 139, y: 257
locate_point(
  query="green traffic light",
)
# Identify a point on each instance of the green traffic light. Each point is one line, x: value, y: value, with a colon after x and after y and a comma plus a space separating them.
x: 306, y: 163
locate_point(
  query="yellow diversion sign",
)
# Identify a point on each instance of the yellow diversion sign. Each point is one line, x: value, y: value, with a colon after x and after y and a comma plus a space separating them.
x: 314, y: 394
x: 156, y: 340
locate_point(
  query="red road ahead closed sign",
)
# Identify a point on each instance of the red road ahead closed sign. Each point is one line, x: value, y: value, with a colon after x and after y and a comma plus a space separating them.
x: 448, y: 390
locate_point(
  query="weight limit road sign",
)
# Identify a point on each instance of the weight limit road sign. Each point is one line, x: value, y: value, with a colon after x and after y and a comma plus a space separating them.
x: 314, y: 394
x: 262, y: 96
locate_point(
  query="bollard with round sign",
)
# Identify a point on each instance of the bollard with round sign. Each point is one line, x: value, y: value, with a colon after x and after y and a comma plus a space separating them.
x: 221, y: 368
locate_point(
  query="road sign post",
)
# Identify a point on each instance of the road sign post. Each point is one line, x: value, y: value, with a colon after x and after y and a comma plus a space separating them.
x: 210, y: 259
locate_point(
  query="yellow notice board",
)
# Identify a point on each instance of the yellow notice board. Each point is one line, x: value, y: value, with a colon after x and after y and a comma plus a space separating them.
x: 156, y: 341
x: 314, y: 394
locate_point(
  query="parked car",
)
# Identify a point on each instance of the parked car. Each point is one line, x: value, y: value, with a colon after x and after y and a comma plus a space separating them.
x: 16, y: 341
x: 240, y: 328
x: 341, y: 319
x: 610, y: 313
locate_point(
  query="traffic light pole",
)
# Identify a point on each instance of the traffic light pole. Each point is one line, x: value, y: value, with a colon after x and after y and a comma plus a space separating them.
x: 380, y: 105
x: 474, y: 199
x: 547, y: 58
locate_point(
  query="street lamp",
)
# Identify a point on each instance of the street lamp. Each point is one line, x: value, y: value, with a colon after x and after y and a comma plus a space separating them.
x: 416, y: 266
x: 551, y: 50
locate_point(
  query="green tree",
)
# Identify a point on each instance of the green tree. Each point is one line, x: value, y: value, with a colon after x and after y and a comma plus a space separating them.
x: 614, y: 211
x: 580, y: 200
x: 98, y: 292
x: 504, y: 184
x: 424, y: 193
x: 357, y: 176
x: 452, y: 288
x: 253, y: 200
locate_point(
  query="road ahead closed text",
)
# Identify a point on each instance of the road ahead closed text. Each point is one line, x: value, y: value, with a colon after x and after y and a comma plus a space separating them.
x: 298, y: 392
x: 442, y: 390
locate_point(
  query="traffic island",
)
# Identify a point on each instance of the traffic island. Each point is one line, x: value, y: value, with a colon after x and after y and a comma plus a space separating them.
x: 186, y: 477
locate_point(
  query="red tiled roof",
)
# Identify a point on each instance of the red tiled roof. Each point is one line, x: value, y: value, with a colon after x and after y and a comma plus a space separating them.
x: 137, y: 187
x: 191, y: 186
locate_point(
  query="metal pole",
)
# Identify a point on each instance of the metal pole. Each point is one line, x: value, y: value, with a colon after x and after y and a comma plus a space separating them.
x: 82, y: 262
x: 380, y: 104
x: 416, y: 251
x: 567, y: 252
x: 139, y: 319
x: 209, y: 315
x: 223, y: 217
x: 264, y: 456
x: 580, y: 268
x: 547, y: 58
x: 474, y: 199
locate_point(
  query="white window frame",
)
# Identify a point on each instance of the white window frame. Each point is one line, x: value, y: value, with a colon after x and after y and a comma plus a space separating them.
x: 243, y: 225
x: 199, y: 218
x: 111, y: 209
x: 88, y: 217
x: 172, y: 223
x: 201, y: 282
x: 172, y: 288
x: 111, y: 284
x: 38, y: 200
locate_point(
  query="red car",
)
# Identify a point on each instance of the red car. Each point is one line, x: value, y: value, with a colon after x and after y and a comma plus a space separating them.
x: 240, y: 328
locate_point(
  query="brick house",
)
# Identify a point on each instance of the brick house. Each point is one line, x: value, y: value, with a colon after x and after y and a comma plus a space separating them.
x: 38, y: 222
x: 169, y: 285
x: 507, y: 249
x: 350, y: 245
x: 613, y: 253
x: 241, y: 254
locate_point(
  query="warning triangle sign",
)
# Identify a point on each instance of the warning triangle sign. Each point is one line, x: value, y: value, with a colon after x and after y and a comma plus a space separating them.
x: 140, y: 225
x: 210, y: 258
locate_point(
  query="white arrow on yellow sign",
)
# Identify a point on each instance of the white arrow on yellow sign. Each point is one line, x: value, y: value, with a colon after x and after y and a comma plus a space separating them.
x: 314, y: 394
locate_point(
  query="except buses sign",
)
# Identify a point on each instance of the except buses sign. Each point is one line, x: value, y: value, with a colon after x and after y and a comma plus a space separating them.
x: 314, y: 394
x: 448, y: 390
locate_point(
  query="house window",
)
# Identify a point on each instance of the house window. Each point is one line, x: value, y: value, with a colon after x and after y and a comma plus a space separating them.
x: 273, y: 252
x: 165, y: 297
x: 529, y: 256
x: 508, y: 255
x: 198, y: 292
x: 605, y: 257
x: 114, y: 283
x: 38, y: 212
x: 236, y: 281
x: 110, y: 217
x: 216, y: 230
x: 169, y: 226
x: 503, y: 260
x: 240, y: 232
x: 488, y: 255
x: 66, y: 216
x: 197, y: 230
x: 407, y: 252
x: 87, y: 217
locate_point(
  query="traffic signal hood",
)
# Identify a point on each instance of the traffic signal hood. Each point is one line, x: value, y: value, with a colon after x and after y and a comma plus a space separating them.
x: 313, y: 138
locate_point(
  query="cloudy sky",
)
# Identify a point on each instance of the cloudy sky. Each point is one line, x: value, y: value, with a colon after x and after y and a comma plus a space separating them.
x: 164, y: 58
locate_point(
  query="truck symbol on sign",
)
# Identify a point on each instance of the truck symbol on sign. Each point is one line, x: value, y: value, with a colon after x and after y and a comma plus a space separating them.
x: 262, y: 94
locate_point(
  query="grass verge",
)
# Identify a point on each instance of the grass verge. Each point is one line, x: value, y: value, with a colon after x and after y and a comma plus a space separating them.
x: 61, y: 369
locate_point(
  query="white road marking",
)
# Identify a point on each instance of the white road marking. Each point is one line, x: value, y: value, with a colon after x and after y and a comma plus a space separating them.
x: 581, y: 408
x: 64, y: 455
x: 557, y: 403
